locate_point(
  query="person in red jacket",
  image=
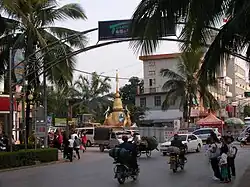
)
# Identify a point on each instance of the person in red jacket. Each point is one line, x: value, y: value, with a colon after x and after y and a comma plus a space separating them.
x: 84, y: 141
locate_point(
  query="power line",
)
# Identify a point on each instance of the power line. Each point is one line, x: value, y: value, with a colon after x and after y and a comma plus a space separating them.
x: 112, y: 77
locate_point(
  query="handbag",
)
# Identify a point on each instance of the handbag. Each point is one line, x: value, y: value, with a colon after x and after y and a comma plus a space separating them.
x: 82, y: 147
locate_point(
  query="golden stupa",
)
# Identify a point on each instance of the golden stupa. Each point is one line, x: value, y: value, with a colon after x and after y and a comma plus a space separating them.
x: 118, y: 116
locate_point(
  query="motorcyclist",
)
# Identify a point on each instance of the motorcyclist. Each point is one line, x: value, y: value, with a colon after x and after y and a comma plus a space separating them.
x: 132, y: 148
x: 135, y: 139
x: 176, y: 142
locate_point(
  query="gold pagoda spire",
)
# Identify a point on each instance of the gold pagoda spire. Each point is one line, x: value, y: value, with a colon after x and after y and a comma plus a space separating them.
x: 117, y: 105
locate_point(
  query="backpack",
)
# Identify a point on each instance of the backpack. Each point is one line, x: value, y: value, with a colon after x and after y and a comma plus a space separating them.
x: 215, y: 152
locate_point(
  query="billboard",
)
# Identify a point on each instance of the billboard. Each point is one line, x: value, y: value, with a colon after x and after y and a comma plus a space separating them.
x: 119, y: 29
x: 19, y: 67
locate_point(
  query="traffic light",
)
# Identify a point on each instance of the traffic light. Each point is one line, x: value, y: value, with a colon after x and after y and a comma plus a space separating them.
x: 247, y: 94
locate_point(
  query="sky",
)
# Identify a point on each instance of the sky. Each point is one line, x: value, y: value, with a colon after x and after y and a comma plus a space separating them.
x: 106, y: 60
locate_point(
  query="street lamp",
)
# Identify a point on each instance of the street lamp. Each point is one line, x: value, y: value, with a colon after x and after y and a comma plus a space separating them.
x: 67, y: 118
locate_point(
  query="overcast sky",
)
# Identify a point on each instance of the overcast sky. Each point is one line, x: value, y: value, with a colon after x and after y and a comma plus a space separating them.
x: 117, y: 56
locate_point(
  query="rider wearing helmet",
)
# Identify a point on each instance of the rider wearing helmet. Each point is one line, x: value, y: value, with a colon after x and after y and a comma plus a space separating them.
x: 176, y: 142
x: 132, y: 148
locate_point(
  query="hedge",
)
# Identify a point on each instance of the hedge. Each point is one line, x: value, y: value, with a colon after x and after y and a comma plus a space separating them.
x: 27, y: 157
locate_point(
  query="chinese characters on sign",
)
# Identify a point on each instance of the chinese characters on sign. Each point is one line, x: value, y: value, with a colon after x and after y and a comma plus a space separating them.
x: 119, y: 29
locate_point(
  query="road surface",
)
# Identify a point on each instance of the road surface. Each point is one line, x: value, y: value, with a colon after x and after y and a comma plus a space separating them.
x: 95, y: 169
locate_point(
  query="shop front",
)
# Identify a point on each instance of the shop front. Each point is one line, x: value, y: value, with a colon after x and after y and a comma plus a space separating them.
x: 4, y: 115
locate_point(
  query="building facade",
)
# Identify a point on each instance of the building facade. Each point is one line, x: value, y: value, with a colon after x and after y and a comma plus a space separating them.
x: 232, y: 83
x: 153, y: 95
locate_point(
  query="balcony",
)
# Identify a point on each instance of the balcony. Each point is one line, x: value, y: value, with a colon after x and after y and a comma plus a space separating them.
x: 229, y: 94
x: 228, y: 81
x: 152, y: 90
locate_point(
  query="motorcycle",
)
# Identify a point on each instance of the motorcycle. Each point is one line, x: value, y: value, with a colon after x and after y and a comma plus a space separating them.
x: 176, y: 162
x: 123, y: 172
x: 245, y: 141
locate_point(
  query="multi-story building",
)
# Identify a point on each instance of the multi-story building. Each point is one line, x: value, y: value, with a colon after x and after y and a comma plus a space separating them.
x: 153, y: 95
x: 238, y: 71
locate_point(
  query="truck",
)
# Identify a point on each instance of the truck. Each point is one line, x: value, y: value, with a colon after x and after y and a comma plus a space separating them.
x: 107, y: 137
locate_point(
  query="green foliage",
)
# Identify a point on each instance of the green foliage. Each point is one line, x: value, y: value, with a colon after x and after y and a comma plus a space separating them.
x: 85, y: 96
x: 246, y: 111
x: 128, y: 93
x: 27, y: 157
x: 185, y: 85
x: 31, y: 26
x: 200, y: 22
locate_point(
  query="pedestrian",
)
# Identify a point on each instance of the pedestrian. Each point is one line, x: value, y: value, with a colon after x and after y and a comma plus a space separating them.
x: 70, y: 149
x: 223, y: 165
x: 84, y: 141
x: 77, y: 144
x: 65, y: 146
x: 214, y: 157
x: 74, y: 135
x: 232, y: 152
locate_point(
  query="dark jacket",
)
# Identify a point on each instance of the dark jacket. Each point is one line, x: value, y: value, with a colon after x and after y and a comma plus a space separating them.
x: 177, y: 143
x: 128, y: 146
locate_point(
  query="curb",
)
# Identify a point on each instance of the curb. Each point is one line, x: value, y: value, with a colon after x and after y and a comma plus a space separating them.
x: 32, y: 166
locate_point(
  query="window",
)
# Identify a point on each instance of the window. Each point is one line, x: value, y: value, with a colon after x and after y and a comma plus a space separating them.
x: 151, y: 63
x: 113, y: 135
x: 157, y: 100
x: 151, y: 82
x: 181, y: 137
x: 151, y: 73
x: 89, y: 131
x: 143, y: 102
x: 192, y: 137
x: 205, y: 131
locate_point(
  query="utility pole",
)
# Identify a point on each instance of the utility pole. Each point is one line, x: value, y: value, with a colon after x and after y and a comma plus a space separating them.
x: 45, y: 103
x: 35, y: 131
x: 11, y: 99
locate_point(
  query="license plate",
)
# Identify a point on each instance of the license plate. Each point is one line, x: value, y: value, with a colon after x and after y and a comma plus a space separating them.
x: 172, y: 158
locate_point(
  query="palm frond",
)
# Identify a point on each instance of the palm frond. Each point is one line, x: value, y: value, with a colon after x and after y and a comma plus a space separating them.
x: 69, y: 11
x: 170, y: 74
x: 172, y: 97
x: 79, y: 40
x: 152, y: 20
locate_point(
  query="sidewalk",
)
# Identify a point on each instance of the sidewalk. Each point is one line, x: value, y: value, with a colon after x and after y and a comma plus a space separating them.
x: 245, y: 179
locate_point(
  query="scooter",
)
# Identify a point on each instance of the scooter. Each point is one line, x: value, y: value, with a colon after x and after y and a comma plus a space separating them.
x: 245, y: 141
x: 123, y: 172
x: 175, y: 162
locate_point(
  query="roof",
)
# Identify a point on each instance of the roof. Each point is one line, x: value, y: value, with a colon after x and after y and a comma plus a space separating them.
x: 210, y: 120
x: 159, y: 57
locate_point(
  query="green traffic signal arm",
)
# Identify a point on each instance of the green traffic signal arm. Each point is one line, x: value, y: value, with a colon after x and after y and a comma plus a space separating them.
x: 52, y: 44
x: 57, y: 61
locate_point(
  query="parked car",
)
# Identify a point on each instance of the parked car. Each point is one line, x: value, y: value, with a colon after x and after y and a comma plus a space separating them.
x: 204, y: 133
x: 192, y: 142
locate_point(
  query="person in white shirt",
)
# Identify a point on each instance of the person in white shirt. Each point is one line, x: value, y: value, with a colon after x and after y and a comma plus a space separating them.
x: 223, y: 165
x: 71, y: 148
x: 74, y: 135
x: 232, y: 152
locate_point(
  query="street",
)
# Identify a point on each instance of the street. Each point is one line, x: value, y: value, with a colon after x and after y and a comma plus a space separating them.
x: 96, y: 169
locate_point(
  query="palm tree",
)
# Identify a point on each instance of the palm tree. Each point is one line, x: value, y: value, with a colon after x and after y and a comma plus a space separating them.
x: 30, y: 26
x: 93, y: 93
x: 200, y: 21
x: 184, y: 86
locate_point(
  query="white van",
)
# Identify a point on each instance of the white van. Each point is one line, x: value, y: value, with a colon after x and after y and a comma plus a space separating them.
x: 90, y: 131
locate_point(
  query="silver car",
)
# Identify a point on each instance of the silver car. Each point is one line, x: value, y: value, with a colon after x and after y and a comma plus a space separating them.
x: 204, y: 133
